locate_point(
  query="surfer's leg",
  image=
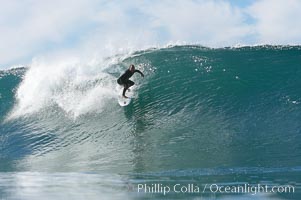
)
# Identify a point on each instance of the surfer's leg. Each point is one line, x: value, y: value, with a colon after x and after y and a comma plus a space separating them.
x: 124, y: 90
x: 130, y: 83
x: 127, y: 85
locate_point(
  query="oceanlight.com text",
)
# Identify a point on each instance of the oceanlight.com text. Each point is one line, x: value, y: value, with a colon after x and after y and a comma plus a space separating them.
x: 251, y: 189
x: 158, y: 188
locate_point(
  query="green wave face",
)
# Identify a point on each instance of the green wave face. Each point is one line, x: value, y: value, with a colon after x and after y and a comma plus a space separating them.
x: 229, y: 110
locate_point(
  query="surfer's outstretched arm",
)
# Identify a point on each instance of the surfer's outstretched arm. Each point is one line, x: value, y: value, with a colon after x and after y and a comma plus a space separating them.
x: 139, y: 72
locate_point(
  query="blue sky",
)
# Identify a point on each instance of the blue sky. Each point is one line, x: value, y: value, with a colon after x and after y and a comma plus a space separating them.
x: 241, y: 3
x: 32, y: 28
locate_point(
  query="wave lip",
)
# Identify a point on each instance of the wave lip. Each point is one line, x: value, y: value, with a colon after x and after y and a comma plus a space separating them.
x: 71, y: 85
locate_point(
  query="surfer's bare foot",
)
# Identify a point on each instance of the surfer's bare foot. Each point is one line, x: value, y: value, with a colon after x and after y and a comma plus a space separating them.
x: 125, y: 96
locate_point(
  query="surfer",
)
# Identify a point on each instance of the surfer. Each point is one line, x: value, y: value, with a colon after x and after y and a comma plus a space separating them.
x: 124, y: 79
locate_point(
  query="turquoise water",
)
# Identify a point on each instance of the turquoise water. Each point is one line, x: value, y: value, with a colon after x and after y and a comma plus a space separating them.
x: 200, y: 116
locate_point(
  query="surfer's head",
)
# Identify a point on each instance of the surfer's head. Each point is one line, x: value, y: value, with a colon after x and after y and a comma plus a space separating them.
x: 132, y: 68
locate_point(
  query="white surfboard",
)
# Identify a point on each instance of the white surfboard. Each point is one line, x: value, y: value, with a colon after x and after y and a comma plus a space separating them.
x: 125, y: 101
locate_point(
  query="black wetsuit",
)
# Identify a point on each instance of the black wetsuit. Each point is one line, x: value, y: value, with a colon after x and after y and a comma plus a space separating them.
x: 124, y: 79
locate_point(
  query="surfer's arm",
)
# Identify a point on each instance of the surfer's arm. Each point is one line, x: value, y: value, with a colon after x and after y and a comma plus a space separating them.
x: 139, y: 72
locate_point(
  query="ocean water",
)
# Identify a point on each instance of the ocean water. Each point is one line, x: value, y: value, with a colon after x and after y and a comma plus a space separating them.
x: 201, y: 118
